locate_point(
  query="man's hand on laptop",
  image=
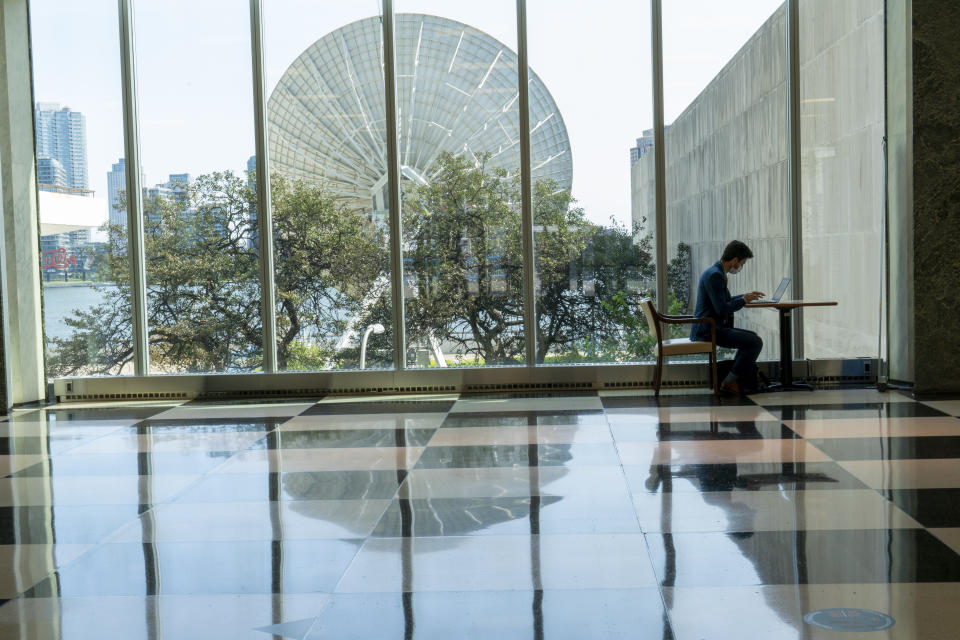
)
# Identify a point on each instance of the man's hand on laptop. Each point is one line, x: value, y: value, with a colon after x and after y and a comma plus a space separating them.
x: 753, y: 295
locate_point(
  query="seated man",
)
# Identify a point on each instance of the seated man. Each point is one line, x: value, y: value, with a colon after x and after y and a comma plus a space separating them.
x: 714, y: 301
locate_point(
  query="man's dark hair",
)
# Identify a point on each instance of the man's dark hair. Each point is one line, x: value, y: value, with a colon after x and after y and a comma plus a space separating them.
x: 736, y: 249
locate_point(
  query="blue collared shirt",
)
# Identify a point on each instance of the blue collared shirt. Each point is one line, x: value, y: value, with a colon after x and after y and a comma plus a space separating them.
x: 714, y: 301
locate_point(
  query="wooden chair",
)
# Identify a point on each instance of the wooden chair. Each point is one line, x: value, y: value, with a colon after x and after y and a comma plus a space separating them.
x: 679, y: 346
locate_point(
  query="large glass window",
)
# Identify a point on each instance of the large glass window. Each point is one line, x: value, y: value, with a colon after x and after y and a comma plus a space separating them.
x: 593, y: 250
x: 459, y: 160
x: 724, y: 76
x: 591, y: 131
x: 841, y: 133
x: 196, y: 135
x: 79, y: 140
x: 328, y: 172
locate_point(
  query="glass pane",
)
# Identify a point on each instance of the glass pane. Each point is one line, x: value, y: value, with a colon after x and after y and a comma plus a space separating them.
x: 594, y: 250
x: 330, y: 203
x: 841, y: 134
x: 724, y: 82
x: 196, y: 134
x: 79, y: 138
x: 460, y: 158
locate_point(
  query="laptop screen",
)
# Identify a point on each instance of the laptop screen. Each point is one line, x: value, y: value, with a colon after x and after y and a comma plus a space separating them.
x: 781, y: 290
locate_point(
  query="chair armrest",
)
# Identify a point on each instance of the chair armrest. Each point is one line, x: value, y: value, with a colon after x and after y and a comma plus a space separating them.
x: 693, y: 320
x: 685, y: 320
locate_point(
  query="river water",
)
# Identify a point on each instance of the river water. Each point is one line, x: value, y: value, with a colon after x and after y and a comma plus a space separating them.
x: 61, y: 302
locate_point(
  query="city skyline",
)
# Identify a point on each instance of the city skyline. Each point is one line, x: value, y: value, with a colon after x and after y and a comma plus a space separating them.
x: 61, y: 135
x: 195, y: 133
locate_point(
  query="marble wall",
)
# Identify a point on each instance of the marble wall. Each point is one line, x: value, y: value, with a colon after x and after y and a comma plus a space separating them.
x: 726, y: 172
x: 936, y: 195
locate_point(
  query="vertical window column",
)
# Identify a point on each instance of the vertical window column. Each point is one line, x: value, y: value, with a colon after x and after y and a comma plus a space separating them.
x: 20, y: 289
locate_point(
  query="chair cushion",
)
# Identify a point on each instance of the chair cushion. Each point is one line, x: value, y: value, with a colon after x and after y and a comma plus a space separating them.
x: 679, y: 346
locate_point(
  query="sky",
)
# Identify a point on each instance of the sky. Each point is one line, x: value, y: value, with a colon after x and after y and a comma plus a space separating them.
x: 194, y: 76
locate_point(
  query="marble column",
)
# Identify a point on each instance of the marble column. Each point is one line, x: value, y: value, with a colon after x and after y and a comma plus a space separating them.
x: 923, y: 125
x: 24, y: 379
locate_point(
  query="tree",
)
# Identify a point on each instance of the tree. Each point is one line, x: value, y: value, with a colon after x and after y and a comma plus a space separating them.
x: 463, y: 266
x: 203, y: 292
x: 463, y: 278
x: 680, y: 275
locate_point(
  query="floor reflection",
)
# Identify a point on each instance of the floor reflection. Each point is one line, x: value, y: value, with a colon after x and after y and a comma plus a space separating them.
x: 584, y: 528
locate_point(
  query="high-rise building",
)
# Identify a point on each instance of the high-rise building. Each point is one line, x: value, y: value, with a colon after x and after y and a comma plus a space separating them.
x: 644, y: 145
x: 61, y: 134
x: 50, y: 173
x: 117, y: 182
x: 175, y: 188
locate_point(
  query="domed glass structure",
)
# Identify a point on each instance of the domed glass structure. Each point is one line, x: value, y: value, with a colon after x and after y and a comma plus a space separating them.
x: 456, y: 93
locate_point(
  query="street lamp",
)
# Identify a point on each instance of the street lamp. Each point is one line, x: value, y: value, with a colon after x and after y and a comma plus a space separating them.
x: 373, y: 328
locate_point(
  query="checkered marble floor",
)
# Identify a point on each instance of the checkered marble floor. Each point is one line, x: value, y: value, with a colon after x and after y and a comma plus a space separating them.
x: 561, y: 515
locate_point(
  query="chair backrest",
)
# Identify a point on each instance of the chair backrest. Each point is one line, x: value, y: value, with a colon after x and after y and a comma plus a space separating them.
x: 652, y: 318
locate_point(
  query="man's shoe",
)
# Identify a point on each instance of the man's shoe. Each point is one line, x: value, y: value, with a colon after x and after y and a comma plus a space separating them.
x: 764, y: 381
x: 731, y: 388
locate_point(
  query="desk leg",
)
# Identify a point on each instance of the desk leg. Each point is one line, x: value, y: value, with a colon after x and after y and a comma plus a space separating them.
x: 787, y: 383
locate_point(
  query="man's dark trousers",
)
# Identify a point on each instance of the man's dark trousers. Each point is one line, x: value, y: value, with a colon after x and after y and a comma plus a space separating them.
x: 748, y: 346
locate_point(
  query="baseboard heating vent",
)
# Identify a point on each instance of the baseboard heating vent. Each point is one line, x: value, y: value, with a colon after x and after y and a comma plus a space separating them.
x: 648, y: 384
x: 324, y: 391
x: 352, y: 391
x: 527, y: 386
x: 840, y: 379
x: 79, y: 397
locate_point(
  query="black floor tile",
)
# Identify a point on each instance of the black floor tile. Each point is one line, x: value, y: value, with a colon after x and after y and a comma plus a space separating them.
x: 387, y: 406
x: 854, y: 410
x: 678, y: 431
x: 889, y: 448
x: 801, y: 557
x: 929, y: 507
x: 930, y: 397
x: 133, y: 412
x: 23, y: 445
x: 530, y: 395
x: 195, y: 568
x: 524, y: 418
x: 691, y: 400
x: 295, y: 485
x: 774, y: 476
x: 65, y: 524
x: 547, y: 455
x: 243, y: 402
x: 611, y: 614
x: 340, y: 438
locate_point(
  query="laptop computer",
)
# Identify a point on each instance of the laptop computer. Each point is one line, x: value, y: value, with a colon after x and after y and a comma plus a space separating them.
x: 776, y: 294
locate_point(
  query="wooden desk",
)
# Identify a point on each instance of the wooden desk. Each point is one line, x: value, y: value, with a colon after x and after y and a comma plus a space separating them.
x: 786, y: 307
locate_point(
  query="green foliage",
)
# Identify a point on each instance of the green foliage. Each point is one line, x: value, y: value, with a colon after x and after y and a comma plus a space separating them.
x: 203, y: 292
x: 463, y: 279
x: 463, y: 268
x: 680, y: 276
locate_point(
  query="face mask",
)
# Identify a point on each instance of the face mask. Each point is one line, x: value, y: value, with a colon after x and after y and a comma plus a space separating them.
x: 735, y: 270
